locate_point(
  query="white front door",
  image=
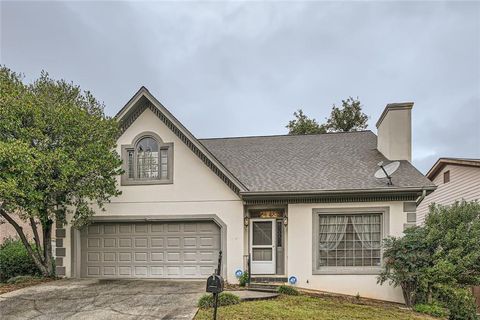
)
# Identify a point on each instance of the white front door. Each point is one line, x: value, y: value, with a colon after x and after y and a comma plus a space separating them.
x: 262, y: 246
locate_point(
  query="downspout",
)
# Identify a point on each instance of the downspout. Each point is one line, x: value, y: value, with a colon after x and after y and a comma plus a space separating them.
x: 420, y: 199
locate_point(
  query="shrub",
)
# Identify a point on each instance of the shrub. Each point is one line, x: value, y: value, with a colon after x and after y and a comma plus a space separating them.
x: 442, y: 254
x: 288, y: 290
x: 459, y: 301
x: 405, y: 262
x: 15, y: 261
x: 224, y: 299
x: 243, y: 280
x: 433, y: 309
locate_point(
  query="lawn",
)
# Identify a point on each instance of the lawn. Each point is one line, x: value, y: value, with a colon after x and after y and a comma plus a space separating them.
x: 308, y: 307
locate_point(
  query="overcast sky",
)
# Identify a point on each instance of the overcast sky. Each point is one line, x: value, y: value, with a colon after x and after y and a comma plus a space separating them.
x: 235, y: 69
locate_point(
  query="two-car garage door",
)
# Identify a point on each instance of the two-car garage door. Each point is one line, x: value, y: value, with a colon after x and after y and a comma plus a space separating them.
x: 150, y: 250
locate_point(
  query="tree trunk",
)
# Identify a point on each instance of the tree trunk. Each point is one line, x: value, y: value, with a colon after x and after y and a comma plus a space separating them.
x: 407, y: 294
x: 36, y: 238
x: 37, y: 258
x: 47, y: 246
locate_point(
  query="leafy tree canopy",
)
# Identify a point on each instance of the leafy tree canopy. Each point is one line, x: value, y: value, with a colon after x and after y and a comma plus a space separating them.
x: 349, y: 117
x: 57, y: 157
x: 302, y: 124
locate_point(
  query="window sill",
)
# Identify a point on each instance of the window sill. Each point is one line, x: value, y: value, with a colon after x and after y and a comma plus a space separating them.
x: 348, y: 271
x: 128, y: 182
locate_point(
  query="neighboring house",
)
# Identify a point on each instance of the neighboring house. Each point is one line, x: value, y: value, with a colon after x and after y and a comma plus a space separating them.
x: 8, y: 231
x: 456, y: 179
x: 306, y: 206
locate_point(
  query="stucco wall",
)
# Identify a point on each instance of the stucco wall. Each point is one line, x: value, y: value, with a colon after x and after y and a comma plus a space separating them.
x: 300, y: 242
x: 395, y: 134
x: 195, y: 190
x: 464, y: 184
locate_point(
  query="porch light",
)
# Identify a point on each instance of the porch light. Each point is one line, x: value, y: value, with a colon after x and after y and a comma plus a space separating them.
x: 285, y: 221
x: 245, y: 221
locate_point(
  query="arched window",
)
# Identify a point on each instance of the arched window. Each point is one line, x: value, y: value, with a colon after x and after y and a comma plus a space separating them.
x: 148, y: 160
x: 147, y: 157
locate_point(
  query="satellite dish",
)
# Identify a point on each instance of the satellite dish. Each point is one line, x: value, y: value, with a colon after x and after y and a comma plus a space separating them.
x: 387, y: 171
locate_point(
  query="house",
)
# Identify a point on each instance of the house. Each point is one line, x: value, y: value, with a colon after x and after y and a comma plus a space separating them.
x: 456, y: 179
x: 304, y: 206
x: 7, y: 231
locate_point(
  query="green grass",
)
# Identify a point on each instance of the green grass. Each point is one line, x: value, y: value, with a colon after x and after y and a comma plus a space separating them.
x: 307, y: 307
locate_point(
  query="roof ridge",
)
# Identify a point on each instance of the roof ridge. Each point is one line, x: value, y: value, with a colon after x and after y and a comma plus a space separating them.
x: 285, y: 135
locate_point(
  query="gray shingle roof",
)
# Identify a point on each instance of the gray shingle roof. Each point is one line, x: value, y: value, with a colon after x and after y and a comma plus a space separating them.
x: 333, y: 161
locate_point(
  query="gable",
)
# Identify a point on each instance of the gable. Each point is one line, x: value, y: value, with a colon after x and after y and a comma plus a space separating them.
x: 192, y: 179
x: 142, y: 102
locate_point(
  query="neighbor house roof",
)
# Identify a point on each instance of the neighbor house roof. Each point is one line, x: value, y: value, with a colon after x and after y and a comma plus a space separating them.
x: 442, y: 162
x: 321, y: 162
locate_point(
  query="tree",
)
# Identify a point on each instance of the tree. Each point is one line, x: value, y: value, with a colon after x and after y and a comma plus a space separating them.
x: 304, y: 125
x: 438, y: 261
x: 347, y: 118
x: 455, y: 232
x: 405, y: 261
x: 57, y: 158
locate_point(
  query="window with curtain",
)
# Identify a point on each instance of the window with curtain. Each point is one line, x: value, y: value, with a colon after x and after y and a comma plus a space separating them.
x: 349, y: 240
x: 148, y: 160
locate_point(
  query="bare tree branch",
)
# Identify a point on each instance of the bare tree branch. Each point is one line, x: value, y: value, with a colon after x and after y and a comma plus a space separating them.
x: 38, y: 245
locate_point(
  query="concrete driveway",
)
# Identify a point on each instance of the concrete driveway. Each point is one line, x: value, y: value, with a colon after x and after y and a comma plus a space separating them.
x: 103, y: 299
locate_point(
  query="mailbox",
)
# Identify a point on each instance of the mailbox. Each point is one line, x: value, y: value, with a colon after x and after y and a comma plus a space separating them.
x: 215, y: 284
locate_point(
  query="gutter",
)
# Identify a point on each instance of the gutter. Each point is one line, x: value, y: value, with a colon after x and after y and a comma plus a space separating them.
x: 420, y: 199
x: 336, y: 192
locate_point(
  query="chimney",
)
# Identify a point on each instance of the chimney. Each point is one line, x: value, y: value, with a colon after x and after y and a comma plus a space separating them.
x: 394, y: 130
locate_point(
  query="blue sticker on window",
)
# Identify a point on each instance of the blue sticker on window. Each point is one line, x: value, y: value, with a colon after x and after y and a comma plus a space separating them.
x: 292, y: 280
x: 238, y: 273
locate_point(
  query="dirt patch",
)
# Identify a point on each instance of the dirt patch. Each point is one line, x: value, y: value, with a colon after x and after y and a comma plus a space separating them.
x: 6, y: 287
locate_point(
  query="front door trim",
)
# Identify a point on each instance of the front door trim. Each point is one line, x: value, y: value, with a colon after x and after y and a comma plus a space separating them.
x: 264, y: 266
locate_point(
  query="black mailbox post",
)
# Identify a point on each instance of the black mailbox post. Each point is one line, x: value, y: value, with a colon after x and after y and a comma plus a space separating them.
x: 215, y: 284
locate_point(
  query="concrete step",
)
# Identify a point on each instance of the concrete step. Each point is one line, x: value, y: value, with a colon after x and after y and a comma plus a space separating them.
x: 264, y: 287
x: 250, y: 295
x: 257, y: 279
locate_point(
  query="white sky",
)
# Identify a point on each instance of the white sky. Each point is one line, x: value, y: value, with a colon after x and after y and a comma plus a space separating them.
x: 242, y: 68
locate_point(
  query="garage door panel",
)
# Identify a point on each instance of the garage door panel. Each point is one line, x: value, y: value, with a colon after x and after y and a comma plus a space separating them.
x: 109, y: 243
x: 141, y: 242
x: 141, y: 228
x: 124, y: 243
x: 109, y: 257
x: 125, y: 256
x: 109, y: 229
x: 156, y: 242
x: 124, y: 271
x: 157, y: 256
x: 150, y: 250
x: 124, y: 228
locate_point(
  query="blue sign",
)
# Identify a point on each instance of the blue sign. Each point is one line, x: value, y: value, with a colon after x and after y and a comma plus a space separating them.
x: 292, y: 280
x: 238, y: 273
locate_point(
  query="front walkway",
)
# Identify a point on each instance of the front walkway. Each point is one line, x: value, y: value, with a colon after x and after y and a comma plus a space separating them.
x: 103, y: 299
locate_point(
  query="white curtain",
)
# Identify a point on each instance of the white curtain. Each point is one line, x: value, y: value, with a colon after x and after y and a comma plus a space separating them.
x: 332, y: 231
x: 363, y: 225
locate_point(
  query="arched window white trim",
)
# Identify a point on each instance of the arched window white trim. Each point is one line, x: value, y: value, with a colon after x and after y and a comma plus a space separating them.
x: 148, y: 160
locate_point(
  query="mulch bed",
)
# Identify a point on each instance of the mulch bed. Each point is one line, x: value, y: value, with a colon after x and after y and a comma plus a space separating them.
x: 6, y: 287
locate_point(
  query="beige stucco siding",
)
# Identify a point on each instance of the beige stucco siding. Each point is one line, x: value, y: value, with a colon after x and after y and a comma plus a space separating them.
x: 196, y: 190
x: 395, y: 134
x: 464, y: 184
x: 300, y: 251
